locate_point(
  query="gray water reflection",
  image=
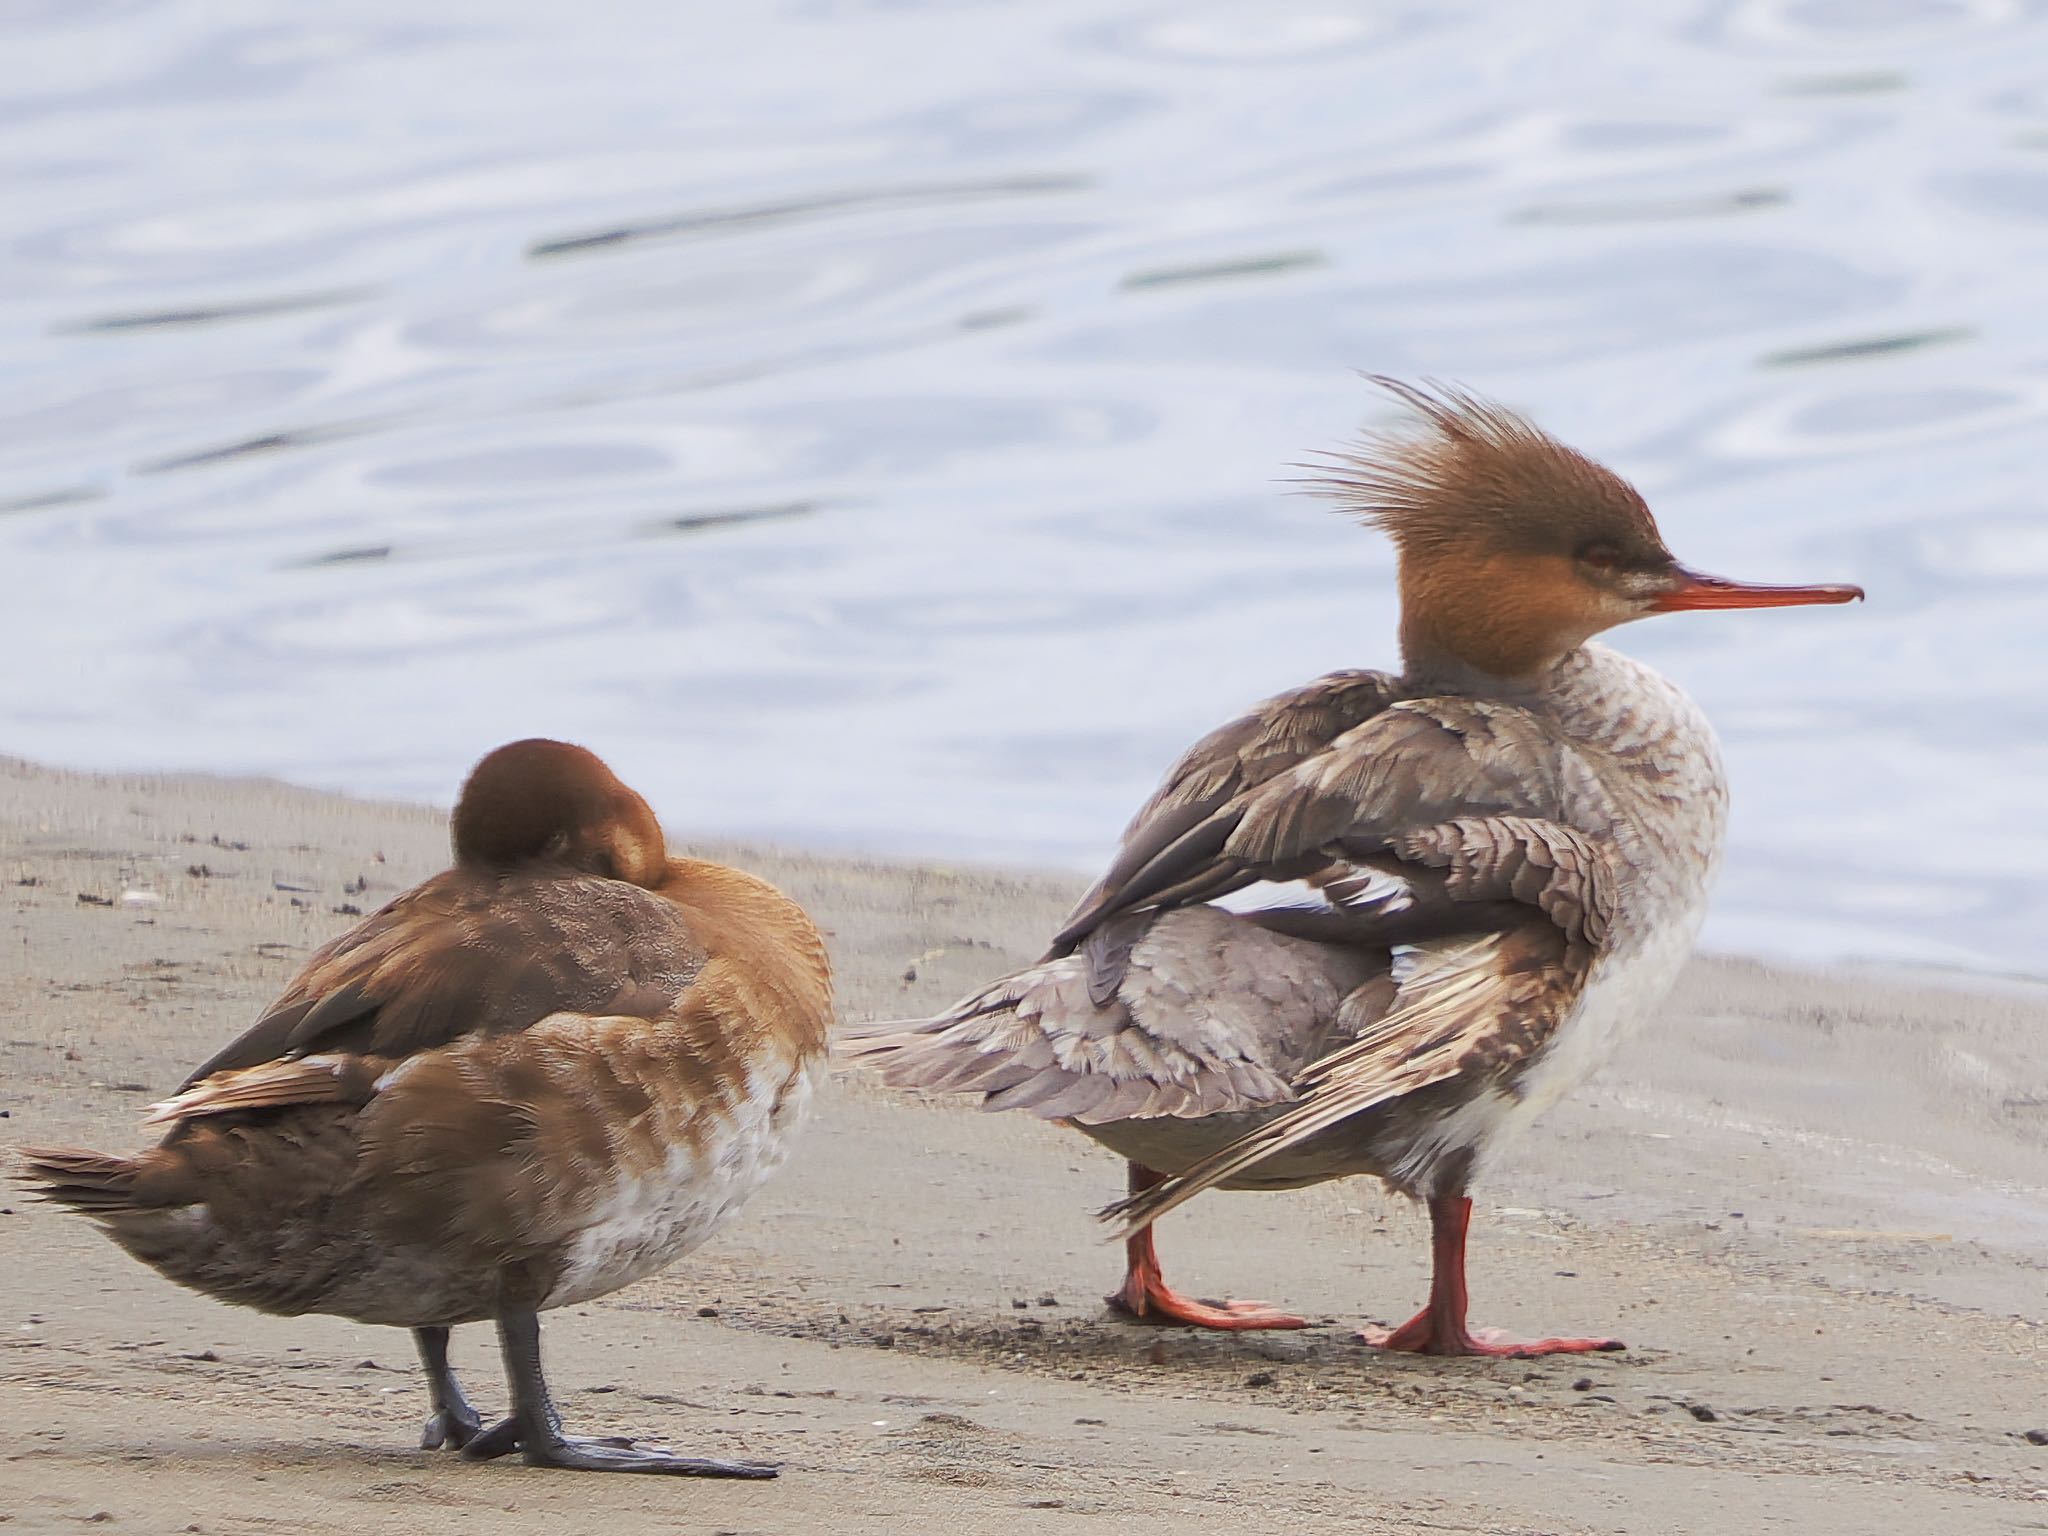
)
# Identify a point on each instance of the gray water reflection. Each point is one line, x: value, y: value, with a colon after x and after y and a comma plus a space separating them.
x: 869, y: 423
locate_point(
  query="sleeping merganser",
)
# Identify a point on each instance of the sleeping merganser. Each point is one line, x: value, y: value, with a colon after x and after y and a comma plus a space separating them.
x: 528, y: 1081
x: 1381, y: 922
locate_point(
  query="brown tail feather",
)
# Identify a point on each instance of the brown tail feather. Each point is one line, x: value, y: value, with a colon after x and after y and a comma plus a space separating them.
x: 92, y: 1182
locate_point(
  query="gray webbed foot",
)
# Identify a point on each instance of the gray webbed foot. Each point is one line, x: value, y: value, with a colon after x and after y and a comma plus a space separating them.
x: 456, y: 1427
x: 603, y: 1453
x: 535, y: 1429
x: 453, y: 1422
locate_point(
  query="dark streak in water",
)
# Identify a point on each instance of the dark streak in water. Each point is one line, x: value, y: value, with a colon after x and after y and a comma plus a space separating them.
x: 42, y: 501
x: 1748, y: 200
x: 989, y: 319
x: 697, y: 522
x: 1866, y: 346
x: 269, y: 442
x: 361, y: 554
x: 214, y: 314
x: 1219, y: 271
x: 1869, y: 82
x: 806, y: 207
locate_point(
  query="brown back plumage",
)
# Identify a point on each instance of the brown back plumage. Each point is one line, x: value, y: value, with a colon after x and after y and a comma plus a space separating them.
x: 475, y: 950
x: 550, y: 908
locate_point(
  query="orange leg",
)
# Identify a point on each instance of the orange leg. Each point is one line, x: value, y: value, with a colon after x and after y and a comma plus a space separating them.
x: 1146, y: 1297
x: 1439, y: 1328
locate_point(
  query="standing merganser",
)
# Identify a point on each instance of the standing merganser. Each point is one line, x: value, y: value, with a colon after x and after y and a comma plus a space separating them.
x: 1381, y: 922
x: 528, y: 1081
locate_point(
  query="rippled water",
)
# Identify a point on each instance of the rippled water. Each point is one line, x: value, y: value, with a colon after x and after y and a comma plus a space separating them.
x: 865, y: 422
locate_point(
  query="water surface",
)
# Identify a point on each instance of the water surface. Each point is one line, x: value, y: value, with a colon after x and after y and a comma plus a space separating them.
x: 866, y: 422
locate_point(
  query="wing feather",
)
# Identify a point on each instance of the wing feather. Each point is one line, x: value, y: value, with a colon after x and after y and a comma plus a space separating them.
x: 1274, y: 736
x: 272, y: 1085
x: 1412, y: 763
x: 467, y: 953
x: 1214, y: 1014
x: 1466, y: 1009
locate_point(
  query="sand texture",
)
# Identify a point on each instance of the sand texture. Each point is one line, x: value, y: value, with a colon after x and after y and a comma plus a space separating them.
x: 1814, y: 1205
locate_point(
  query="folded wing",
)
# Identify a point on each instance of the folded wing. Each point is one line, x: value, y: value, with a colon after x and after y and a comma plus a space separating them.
x: 468, y: 953
x: 1273, y: 737
x: 1472, y: 1008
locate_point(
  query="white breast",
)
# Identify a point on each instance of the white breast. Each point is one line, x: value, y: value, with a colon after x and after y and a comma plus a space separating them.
x: 1648, y: 778
x: 643, y: 1223
x: 1645, y: 776
x: 1619, y: 998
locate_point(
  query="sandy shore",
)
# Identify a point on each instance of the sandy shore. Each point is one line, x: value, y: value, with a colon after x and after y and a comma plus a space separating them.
x: 1813, y: 1205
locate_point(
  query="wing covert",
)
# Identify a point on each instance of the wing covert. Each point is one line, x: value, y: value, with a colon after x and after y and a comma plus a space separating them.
x: 1240, y: 755
x: 1415, y: 763
x: 466, y: 954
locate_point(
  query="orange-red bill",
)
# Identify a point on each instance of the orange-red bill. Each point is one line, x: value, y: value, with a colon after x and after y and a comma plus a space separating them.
x: 1696, y: 589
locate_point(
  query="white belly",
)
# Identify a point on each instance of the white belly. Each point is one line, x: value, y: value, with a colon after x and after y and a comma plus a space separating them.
x: 1622, y: 993
x: 1618, y: 999
x: 644, y: 1223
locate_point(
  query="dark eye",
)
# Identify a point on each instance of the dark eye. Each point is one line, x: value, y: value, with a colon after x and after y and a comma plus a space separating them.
x: 1601, y: 557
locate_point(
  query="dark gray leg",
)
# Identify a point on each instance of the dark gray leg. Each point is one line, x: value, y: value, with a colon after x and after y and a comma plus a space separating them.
x: 453, y: 1421
x: 536, y: 1429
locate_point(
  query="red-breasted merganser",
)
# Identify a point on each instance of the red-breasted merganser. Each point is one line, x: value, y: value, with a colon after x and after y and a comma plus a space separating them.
x: 528, y: 1081
x: 1381, y: 922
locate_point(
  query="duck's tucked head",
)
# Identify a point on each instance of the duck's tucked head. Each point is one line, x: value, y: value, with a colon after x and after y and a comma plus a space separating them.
x: 1515, y: 549
x: 539, y: 801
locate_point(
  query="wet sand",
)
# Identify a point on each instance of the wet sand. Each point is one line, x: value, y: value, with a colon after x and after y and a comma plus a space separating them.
x: 1814, y: 1205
